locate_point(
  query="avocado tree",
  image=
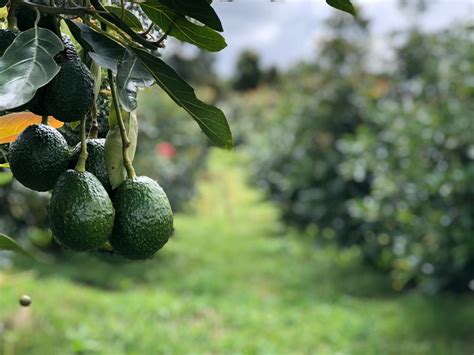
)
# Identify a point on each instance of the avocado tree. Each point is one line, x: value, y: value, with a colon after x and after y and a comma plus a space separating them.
x: 55, y: 57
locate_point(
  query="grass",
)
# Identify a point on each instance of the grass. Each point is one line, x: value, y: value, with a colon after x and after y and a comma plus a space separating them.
x: 231, y: 281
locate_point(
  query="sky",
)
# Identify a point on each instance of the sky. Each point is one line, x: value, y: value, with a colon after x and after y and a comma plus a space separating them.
x: 285, y: 31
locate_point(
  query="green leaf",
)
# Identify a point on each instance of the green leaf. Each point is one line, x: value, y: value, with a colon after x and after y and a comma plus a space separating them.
x: 211, y: 120
x: 27, y: 65
x: 7, y: 243
x: 200, y: 10
x: 179, y: 26
x: 131, y: 74
x: 105, y: 52
x: 343, y: 5
x: 128, y: 17
x: 113, y: 148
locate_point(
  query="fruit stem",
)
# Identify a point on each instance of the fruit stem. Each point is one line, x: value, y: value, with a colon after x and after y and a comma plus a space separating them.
x: 81, y: 163
x: 45, y: 119
x: 94, y: 130
x: 11, y: 16
x: 123, y: 133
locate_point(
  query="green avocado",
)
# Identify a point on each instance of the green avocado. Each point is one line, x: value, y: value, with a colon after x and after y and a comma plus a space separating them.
x: 38, y: 157
x: 6, y: 39
x: 95, y: 163
x: 143, y: 218
x: 70, y: 95
x: 81, y: 213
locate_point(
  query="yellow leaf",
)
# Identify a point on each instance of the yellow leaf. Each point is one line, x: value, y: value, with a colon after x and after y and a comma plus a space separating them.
x: 5, y: 166
x: 13, y: 124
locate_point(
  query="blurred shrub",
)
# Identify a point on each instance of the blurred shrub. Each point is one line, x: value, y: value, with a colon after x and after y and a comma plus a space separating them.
x: 247, y: 73
x: 293, y: 143
x: 418, y: 147
x: 382, y: 160
x: 171, y: 147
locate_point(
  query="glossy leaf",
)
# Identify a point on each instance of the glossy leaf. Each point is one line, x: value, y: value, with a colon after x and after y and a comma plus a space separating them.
x: 200, y: 10
x: 128, y: 17
x: 131, y: 74
x: 343, y: 5
x: 179, y: 26
x: 113, y: 149
x: 7, y: 243
x: 13, y: 124
x: 211, y: 120
x: 27, y: 65
x: 107, y: 53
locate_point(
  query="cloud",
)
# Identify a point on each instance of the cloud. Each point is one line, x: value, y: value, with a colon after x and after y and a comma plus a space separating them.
x: 285, y: 32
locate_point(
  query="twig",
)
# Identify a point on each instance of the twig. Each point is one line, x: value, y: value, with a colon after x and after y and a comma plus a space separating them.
x: 81, y: 163
x: 123, y: 133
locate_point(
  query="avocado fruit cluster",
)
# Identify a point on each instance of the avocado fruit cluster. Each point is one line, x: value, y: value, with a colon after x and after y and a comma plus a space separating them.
x: 85, y: 214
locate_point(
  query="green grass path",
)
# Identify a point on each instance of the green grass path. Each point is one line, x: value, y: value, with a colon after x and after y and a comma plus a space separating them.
x: 231, y: 281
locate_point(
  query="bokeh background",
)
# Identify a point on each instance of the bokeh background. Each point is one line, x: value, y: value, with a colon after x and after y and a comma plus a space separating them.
x: 342, y: 222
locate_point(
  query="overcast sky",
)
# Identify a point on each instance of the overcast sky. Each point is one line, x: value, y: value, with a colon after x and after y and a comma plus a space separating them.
x: 285, y: 31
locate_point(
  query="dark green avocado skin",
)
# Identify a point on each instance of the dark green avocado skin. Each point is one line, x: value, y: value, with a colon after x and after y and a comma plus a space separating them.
x: 80, y: 211
x: 6, y: 39
x: 70, y: 95
x: 143, y: 218
x: 95, y: 163
x: 38, y: 157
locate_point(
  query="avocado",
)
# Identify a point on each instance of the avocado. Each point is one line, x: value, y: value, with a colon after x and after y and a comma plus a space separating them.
x: 81, y: 213
x: 70, y: 95
x: 95, y: 163
x: 143, y: 218
x: 26, y: 17
x: 38, y: 157
x: 36, y: 104
x: 68, y: 53
x: 6, y: 39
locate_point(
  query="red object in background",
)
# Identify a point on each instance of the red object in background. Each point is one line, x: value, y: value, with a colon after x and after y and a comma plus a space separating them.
x: 166, y: 149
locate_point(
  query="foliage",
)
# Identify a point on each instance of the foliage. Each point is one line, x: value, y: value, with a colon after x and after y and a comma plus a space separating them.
x: 227, y: 288
x: 383, y: 160
x: 296, y: 158
x: 247, y: 72
x: 417, y: 149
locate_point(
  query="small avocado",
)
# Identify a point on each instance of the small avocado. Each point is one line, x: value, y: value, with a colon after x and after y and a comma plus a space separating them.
x: 38, y: 157
x: 81, y: 213
x: 70, y: 95
x: 143, y: 218
x: 95, y: 162
x: 6, y: 39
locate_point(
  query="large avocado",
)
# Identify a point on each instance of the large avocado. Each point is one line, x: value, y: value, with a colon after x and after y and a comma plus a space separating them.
x: 80, y: 211
x: 143, y: 218
x: 38, y: 157
x: 70, y: 95
x: 95, y: 163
